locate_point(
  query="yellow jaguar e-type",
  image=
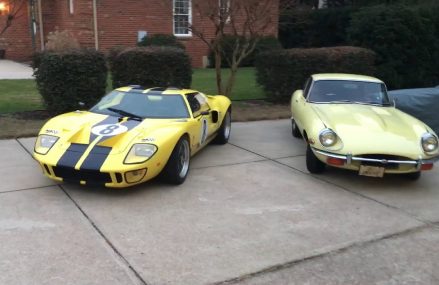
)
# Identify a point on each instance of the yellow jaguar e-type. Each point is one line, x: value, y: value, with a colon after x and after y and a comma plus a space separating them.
x: 348, y: 122
x: 132, y: 135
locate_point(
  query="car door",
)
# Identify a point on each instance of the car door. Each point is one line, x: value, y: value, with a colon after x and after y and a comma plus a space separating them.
x: 299, y: 104
x: 202, y: 116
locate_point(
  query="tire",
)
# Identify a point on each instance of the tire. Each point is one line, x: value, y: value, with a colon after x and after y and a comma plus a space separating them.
x: 177, y: 168
x: 313, y: 164
x: 295, y: 130
x: 413, y: 175
x: 224, y: 131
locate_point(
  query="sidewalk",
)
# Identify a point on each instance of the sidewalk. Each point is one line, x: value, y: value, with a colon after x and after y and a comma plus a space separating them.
x: 14, y: 70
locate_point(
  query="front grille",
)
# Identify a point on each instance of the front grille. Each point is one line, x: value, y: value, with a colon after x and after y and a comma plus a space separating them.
x: 89, y: 176
x: 383, y: 157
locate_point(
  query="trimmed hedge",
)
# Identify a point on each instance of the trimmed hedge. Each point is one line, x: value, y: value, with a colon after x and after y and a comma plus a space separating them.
x: 152, y: 67
x: 282, y: 72
x: 161, y: 40
x: 65, y: 79
x: 264, y: 44
x: 405, y: 40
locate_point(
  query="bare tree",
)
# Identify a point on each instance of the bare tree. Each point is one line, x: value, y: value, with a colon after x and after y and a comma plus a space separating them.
x: 14, y: 10
x: 245, y: 20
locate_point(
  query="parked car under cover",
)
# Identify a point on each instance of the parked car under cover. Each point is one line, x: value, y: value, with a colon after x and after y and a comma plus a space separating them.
x: 132, y: 135
x: 421, y: 103
x: 349, y: 122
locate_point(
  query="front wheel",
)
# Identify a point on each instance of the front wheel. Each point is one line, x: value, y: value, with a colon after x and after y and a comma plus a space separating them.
x: 224, y: 131
x: 313, y: 164
x: 295, y: 130
x: 177, y: 168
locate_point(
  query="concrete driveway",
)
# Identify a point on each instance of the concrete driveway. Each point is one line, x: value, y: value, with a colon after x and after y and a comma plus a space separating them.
x: 249, y: 213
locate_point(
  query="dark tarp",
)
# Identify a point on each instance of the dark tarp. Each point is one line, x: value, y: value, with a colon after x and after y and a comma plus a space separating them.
x: 422, y: 103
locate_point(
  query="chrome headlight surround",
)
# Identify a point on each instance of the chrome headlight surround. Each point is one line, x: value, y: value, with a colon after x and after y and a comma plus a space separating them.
x: 140, y: 153
x: 44, y: 143
x: 429, y: 142
x: 328, y: 138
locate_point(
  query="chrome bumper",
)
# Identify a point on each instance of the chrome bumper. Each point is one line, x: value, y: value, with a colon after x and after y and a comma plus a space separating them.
x: 349, y: 159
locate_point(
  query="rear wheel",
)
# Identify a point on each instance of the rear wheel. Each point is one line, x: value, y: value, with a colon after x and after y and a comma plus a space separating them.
x: 313, y: 164
x: 224, y: 131
x: 177, y: 168
x: 295, y: 130
x: 413, y: 175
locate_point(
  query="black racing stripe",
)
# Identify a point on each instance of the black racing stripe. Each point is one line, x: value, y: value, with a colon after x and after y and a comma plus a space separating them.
x: 96, y: 158
x: 72, y: 155
x: 108, y: 120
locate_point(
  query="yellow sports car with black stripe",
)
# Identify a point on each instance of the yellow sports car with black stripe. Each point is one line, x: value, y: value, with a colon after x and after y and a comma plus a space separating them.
x: 347, y: 121
x: 132, y: 135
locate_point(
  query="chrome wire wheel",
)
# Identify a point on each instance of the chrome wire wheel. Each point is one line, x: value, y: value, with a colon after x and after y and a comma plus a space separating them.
x: 183, y: 158
x: 227, y: 125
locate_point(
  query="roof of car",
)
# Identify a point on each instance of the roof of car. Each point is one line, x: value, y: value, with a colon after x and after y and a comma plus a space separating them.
x: 156, y: 90
x: 343, y: 76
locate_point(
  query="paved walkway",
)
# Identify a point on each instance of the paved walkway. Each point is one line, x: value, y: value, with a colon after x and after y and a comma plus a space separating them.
x: 249, y: 213
x: 14, y: 70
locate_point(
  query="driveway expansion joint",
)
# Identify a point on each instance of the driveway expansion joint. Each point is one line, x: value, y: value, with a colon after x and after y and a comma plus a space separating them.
x: 107, y: 241
x: 27, y: 189
x: 295, y: 262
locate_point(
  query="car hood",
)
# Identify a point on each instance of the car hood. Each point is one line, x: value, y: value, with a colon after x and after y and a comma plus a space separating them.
x: 372, y: 128
x: 106, y: 131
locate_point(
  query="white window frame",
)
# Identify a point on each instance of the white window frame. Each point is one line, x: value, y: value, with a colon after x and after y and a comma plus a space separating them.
x: 228, y: 20
x: 71, y: 7
x: 189, y: 34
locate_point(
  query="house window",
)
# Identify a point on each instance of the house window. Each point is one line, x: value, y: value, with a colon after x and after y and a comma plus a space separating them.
x: 182, y: 17
x: 71, y: 10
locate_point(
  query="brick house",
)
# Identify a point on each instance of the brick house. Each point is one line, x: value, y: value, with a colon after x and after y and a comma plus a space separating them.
x: 103, y: 24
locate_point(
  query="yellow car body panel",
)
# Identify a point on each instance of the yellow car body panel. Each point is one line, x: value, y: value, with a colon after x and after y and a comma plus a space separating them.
x: 362, y: 129
x: 88, y: 156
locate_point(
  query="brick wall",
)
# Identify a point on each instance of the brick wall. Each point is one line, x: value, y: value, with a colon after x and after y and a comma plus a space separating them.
x: 17, y: 39
x: 118, y: 24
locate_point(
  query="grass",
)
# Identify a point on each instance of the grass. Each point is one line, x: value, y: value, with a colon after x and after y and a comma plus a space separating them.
x: 19, y: 95
x: 22, y: 95
x: 245, y: 87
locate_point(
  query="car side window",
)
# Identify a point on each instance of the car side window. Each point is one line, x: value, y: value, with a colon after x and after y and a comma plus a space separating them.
x: 306, y: 87
x: 197, y: 103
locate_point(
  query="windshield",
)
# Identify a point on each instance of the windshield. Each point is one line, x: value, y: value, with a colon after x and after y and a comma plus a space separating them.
x: 345, y: 91
x: 142, y: 105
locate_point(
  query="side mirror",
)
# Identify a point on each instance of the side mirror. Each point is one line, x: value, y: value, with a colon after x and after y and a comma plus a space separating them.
x: 205, y: 113
x: 297, y: 95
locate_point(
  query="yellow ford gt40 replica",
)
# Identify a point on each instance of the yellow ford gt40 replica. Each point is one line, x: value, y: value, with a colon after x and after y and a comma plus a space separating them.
x: 348, y: 122
x: 132, y: 135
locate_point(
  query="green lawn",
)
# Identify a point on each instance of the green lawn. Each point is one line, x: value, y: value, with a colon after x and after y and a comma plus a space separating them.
x: 22, y: 95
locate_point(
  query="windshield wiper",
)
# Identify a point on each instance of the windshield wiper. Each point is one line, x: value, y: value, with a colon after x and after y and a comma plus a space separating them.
x: 126, y: 114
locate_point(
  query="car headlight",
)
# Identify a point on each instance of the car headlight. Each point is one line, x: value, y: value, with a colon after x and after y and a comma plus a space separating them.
x: 44, y: 143
x: 328, y: 137
x: 140, y: 153
x: 429, y: 142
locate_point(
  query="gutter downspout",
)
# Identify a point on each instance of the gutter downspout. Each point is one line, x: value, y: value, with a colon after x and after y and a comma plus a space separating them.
x: 40, y: 21
x: 95, y: 24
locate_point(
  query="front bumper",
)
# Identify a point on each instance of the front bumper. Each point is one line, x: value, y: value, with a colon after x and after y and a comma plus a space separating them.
x: 390, y: 165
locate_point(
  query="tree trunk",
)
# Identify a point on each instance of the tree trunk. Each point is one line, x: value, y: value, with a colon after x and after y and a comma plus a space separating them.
x: 232, y: 79
x: 219, y: 81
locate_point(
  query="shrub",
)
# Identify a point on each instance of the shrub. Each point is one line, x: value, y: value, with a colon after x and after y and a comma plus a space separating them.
x: 227, y: 43
x: 161, y: 40
x: 151, y: 67
x: 314, y: 28
x: 65, y: 79
x: 113, y: 53
x: 61, y: 41
x: 282, y: 72
x: 404, y: 41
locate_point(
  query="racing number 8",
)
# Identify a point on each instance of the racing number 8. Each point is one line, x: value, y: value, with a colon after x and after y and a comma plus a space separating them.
x: 108, y: 130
